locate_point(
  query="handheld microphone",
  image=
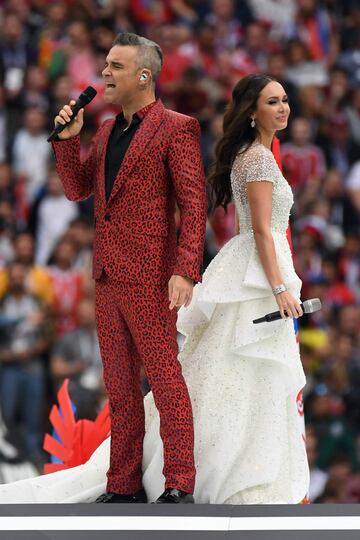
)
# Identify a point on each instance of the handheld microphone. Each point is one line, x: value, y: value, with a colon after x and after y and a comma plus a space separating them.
x: 84, y: 99
x: 309, y: 306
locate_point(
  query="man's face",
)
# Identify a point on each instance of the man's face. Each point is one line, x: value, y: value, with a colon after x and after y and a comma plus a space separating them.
x: 300, y: 131
x: 35, y: 121
x: 121, y: 74
x: 12, y: 27
x: 17, y: 277
x: 24, y: 248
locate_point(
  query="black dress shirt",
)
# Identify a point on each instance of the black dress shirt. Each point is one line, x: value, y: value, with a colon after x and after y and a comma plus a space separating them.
x: 119, y: 141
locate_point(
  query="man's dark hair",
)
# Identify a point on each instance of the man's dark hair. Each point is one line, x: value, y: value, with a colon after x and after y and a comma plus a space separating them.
x: 149, y: 55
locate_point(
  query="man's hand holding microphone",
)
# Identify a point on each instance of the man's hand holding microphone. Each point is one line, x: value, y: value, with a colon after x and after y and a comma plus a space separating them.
x: 66, y: 116
x: 70, y: 120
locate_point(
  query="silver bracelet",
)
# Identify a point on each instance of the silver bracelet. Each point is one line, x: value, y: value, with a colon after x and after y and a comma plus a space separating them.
x: 279, y: 289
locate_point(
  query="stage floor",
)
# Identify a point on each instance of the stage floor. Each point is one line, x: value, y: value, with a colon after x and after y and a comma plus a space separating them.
x: 183, y: 522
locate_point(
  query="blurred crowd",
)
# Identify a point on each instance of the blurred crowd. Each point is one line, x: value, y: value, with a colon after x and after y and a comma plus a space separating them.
x: 49, y: 52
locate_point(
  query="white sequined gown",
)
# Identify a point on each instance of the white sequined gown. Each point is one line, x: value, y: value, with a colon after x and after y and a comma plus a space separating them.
x: 243, y: 379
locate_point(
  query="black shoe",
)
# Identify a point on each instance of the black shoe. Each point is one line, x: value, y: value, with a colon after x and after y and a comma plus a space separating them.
x: 138, y: 497
x: 175, y: 496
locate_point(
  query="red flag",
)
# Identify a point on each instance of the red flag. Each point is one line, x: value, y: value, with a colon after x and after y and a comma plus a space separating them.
x: 275, y: 148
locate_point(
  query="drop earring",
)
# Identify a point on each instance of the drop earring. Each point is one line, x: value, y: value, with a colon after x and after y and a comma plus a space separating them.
x: 252, y: 123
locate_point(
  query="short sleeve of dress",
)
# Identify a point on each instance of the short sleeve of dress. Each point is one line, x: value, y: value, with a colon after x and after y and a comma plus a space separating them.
x: 259, y: 165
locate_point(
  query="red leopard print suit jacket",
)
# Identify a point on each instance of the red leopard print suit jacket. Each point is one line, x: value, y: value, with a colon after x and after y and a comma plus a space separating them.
x: 135, y: 234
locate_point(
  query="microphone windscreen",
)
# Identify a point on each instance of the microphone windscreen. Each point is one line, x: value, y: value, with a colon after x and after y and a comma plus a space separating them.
x: 314, y: 304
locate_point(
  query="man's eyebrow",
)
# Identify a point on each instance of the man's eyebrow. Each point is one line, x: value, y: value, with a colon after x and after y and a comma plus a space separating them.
x: 107, y: 61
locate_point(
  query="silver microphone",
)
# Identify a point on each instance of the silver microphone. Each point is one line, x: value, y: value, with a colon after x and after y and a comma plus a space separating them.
x: 308, y: 306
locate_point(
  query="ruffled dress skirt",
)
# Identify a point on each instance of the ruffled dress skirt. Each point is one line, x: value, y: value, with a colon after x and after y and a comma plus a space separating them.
x: 244, y: 381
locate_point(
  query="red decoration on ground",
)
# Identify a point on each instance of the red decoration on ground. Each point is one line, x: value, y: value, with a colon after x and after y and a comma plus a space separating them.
x: 79, y: 439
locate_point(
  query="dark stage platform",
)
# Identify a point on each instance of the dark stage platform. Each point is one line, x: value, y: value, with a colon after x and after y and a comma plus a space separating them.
x: 183, y: 522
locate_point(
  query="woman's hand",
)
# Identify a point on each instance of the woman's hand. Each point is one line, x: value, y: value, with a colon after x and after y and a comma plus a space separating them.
x: 288, y: 305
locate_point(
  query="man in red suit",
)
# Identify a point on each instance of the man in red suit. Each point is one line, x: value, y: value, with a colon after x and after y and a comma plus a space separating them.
x: 138, y: 166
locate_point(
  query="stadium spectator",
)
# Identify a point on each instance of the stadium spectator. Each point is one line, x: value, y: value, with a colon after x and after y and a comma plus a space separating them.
x: 35, y: 94
x: 31, y: 155
x: 343, y: 217
x: 353, y: 114
x: 335, y: 435
x: 76, y: 355
x: 23, y: 342
x: 318, y: 478
x: 6, y: 181
x: 349, y: 262
x: 51, y: 38
x: 68, y: 286
x: 303, y: 161
x: 190, y: 97
x: 340, y: 150
x: 302, y: 71
x: 81, y: 233
x: 37, y: 281
x: 228, y: 28
x: 54, y: 214
x: 176, y: 61
x: 80, y: 61
x: 3, y: 122
x: 313, y: 25
x: 278, y: 14
x: 352, y: 184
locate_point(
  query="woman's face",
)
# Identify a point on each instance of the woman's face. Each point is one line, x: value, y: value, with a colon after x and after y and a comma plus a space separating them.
x: 272, y: 108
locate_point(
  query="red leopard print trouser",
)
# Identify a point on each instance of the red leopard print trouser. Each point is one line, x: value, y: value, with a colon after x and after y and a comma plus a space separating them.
x: 136, y: 326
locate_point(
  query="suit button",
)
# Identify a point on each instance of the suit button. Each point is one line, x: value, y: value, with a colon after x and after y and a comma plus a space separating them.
x: 107, y: 217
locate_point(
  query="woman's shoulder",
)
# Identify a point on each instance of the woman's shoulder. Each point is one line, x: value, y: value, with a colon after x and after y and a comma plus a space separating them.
x: 256, y: 162
x: 253, y: 153
x: 255, y: 150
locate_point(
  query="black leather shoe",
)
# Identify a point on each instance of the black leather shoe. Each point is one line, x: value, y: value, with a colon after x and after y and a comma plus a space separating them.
x: 175, y: 496
x: 138, y: 497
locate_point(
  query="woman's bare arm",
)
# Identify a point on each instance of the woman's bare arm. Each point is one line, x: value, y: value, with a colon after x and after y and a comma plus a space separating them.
x: 260, y: 202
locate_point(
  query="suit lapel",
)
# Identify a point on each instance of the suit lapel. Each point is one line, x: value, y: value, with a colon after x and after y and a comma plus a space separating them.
x: 106, y: 138
x: 145, y: 133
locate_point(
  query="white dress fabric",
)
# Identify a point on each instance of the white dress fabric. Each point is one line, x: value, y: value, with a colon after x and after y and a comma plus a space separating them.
x: 243, y: 379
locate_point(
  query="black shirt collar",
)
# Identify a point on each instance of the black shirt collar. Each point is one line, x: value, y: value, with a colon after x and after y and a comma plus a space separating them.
x: 137, y: 117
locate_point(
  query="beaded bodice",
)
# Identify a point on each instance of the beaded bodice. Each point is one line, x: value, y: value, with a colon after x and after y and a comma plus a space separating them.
x: 258, y: 164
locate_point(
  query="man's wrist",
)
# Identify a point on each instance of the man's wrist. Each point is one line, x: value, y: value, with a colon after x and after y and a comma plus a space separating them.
x: 184, y: 277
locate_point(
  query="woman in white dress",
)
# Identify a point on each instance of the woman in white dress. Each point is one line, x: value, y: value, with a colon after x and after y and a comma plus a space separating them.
x: 243, y: 379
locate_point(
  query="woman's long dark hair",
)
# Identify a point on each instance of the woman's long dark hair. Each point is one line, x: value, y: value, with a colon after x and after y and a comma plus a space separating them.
x: 237, y: 133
